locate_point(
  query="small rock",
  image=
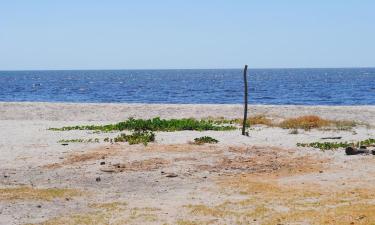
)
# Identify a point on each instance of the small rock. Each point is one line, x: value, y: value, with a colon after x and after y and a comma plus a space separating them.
x: 321, y: 171
x: 205, y: 177
x: 171, y: 175
x: 6, y: 176
x: 108, y: 170
x: 39, y: 206
x: 162, y: 172
x: 102, y: 163
x: 98, y: 179
x: 64, y: 144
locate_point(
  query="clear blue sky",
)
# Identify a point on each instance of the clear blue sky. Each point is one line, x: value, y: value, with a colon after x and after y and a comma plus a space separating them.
x: 146, y: 34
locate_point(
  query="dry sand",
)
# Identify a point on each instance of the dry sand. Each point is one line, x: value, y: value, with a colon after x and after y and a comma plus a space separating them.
x: 261, y: 179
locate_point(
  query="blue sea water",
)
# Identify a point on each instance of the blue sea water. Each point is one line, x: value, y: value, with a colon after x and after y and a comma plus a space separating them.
x: 266, y: 86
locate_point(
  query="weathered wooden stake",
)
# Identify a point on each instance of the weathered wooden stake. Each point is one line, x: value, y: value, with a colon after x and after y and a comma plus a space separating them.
x: 245, y: 103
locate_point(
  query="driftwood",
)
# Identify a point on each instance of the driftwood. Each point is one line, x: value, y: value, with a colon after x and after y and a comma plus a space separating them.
x: 329, y: 138
x: 356, y: 151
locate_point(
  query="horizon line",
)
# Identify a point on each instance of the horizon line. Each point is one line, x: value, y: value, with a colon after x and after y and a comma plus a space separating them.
x: 227, y: 68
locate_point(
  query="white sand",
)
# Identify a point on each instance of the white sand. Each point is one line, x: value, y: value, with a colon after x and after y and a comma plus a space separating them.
x: 26, y: 146
x: 117, y: 112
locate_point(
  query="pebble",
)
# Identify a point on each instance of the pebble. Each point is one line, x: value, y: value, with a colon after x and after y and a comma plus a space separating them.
x: 98, y: 179
x: 171, y: 175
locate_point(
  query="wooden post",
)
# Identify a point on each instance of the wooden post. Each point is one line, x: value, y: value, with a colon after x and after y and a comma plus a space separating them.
x: 245, y: 102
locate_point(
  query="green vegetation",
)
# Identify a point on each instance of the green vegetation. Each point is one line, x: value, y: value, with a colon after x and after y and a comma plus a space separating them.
x: 95, y: 140
x: 325, y: 145
x: 155, y: 124
x: 205, y: 140
x: 137, y: 137
x: 336, y: 145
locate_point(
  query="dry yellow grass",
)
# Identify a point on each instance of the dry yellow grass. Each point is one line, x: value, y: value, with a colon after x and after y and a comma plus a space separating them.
x: 259, y: 120
x: 29, y: 193
x: 116, y: 213
x: 305, y: 122
x: 316, y: 122
x: 267, y: 202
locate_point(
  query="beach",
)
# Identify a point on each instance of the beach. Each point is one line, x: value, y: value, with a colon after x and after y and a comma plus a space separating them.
x: 263, y: 178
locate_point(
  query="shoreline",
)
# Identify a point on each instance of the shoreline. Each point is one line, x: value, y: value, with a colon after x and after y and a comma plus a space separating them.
x: 47, y: 111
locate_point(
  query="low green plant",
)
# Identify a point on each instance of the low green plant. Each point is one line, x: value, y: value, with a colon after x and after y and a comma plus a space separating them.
x: 155, y: 124
x: 325, y: 145
x: 136, y: 137
x: 336, y: 145
x: 367, y: 142
x: 95, y: 140
x: 205, y: 140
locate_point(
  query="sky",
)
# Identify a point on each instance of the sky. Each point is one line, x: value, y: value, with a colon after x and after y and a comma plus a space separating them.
x: 186, y: 34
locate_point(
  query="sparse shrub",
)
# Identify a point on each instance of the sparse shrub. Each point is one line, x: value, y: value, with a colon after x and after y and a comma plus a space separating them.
x: 259, y: 120
x: 205, y: 140
x: 304, y: 122
x: 254, y: 120
x: 136, y: 138
x: 345, y: 124
x: 312, y: 122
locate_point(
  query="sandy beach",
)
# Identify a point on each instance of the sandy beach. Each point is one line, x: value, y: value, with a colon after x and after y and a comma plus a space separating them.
x: 261, y: 179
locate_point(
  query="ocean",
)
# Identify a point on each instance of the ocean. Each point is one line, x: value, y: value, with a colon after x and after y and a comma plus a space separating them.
x: 210, y: 86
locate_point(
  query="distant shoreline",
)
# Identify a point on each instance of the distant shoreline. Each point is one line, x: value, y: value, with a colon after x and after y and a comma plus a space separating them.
x: 239, y: 68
